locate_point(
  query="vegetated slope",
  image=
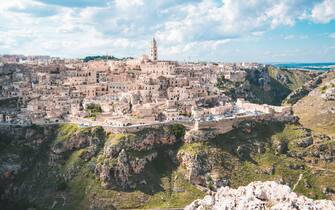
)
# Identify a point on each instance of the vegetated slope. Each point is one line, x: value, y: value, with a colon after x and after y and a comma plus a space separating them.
x: 68, y: 167
x: 269, y: 85
x: 292, y: 79
x: 63, y: 168
x: 315, y: 111
x: 267, y: 151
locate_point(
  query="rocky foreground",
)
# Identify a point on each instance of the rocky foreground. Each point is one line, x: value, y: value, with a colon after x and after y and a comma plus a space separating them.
x: 257, y: 196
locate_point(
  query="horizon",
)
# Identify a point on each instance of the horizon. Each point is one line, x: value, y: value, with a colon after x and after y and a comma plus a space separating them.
x: 298, y: 31
x: 186, y: 61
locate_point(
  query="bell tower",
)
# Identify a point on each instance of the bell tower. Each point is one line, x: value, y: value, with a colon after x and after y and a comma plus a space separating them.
x: 153, y: 49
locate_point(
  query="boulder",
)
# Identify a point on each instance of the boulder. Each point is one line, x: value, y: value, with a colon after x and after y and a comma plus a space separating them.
x: 281, y: 147
x: 295, y: 166
x: 305, y: 142
x: 242, y: 151
x: 259, y: 196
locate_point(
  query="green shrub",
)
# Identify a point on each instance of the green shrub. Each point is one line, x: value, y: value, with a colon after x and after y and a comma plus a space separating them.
x: 93, y: 110
x: 61, y: 185
x: 178, y: 130
x: 324, y: 88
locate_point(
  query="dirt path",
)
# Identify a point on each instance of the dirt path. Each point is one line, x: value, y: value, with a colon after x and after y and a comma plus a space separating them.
x: 296, y: 184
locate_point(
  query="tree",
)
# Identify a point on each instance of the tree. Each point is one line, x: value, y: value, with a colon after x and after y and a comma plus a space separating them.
x: 93, y: 109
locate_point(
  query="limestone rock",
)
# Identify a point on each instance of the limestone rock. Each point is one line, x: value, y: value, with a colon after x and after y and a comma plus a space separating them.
x: 120, y: 162
x: 305, y: 142
x: 198, y: 135
x: 196, y: 165
x: 281, y: 147
x: 259, y: 196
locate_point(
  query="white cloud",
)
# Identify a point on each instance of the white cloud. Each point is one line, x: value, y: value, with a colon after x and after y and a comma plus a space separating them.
x: 124, y: 4
x: 71, y: 32
x: 324, y: 12
x: 209, y: 20
x: 5, y: 5
x: 124, y: 27
x: 332, y: 35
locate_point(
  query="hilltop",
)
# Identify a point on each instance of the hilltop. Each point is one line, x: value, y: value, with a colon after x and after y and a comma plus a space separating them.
x: 317, y: 110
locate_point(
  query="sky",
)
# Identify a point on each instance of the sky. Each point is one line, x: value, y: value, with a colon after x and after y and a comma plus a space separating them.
x: 185, y: 30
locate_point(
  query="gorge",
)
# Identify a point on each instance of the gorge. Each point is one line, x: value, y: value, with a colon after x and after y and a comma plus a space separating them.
x: 65, y: 166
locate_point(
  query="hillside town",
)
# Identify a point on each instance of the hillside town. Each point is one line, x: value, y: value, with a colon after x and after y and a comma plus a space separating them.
x: 127, y: 92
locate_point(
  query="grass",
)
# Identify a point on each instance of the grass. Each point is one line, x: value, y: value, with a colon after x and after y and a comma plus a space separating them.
x: 84, y: 188
x: 74, y: 159
x: 313, y: 113
x: 139, y: 153
x: 65, y: 131
x: 248, y: 172
x: 194, y: 148
x: 114, y: 139
x: 166, y: 188
x: 76, y: 191
x: 166, y: 185
x: 177, y: 193
x: 171, y: 189
x: 258, y: 167
x: 291, y: 133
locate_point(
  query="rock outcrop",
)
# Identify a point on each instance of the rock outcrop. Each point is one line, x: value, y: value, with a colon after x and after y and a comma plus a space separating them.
x: 328, y: 91
x: 199, y: 135
x: 52, y: 166
x: 301, y: 92
x: 196, y: 165
x: 259, y: 196
x: 124, y: 157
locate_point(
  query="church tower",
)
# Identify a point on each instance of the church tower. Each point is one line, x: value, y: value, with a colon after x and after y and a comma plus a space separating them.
x: 153, y: 49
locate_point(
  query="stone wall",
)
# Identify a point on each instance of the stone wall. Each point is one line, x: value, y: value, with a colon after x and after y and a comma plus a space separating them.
x: 220, y: 126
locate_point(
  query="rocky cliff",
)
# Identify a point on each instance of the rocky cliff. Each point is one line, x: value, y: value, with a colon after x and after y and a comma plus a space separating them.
x: 268, y: 85
x: 259, y: 196
x: 317, y: 109
x: 68, y: 167
x: 126, y: 155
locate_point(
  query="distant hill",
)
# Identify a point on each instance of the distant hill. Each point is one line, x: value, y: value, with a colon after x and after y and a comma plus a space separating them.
x: 104, y: 57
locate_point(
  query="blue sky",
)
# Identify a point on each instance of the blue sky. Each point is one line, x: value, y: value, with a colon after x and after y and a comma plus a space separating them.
x: 204, y: 30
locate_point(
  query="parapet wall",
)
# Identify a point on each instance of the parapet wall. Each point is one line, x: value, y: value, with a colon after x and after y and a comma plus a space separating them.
x: 133, y: 129
x: 265, y: 108
x: 226, y: 125
x: 220, y: 126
